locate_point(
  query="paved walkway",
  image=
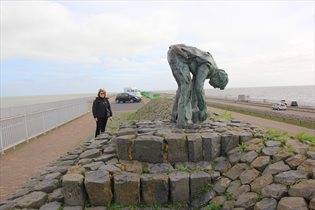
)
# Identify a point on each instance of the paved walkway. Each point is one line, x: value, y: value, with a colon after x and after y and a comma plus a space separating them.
x: 17, y: 166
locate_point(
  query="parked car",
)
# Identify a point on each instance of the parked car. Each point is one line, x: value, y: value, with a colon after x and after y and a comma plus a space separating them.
x: 284, y: 102
x: 279, y: 106
x: 294, y: 103
x: 126, y: 97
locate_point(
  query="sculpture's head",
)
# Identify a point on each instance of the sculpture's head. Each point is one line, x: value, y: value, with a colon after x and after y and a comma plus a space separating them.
x: 219, y: 79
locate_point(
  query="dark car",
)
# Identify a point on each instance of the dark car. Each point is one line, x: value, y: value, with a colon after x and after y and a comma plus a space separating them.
x: 294, y: 103
x: 126, y: 97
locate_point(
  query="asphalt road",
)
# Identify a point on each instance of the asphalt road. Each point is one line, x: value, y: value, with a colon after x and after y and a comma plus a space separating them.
x: 294, y: 114
x: 125, y: 106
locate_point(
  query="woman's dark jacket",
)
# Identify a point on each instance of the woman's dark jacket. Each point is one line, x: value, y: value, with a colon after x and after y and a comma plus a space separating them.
x: 101, y: 108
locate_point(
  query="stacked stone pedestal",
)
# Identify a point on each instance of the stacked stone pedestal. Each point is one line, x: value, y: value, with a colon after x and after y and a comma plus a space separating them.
x: 152, y: 163
x: 171, y: 145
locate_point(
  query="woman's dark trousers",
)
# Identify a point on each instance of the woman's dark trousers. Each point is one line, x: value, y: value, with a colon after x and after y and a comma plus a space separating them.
x: 100, y: 125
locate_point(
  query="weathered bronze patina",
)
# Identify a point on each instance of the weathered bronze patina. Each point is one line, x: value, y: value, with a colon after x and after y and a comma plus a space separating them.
x: 191, y: 67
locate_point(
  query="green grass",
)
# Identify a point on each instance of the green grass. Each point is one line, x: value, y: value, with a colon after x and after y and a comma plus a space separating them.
x: 243, y: 147
x: 277, y: 135
x: 205, y: 188
x: 305, y: 137
x: 118, y: 207
x: 181, y: 168
x: 228, y: 195
x: 118, y: 119
x: 145, y: 168
x: 214, y: 207
x: 226, y: 116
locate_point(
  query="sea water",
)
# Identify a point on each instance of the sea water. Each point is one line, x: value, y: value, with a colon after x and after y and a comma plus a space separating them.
x: 304, y: 95
x: 29, y: 100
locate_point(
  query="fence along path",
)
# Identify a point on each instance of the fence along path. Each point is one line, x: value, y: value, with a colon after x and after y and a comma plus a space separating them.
x: 21, y: 123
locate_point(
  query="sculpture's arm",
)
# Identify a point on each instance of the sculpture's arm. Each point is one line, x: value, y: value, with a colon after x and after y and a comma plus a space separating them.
x: 202, y: 74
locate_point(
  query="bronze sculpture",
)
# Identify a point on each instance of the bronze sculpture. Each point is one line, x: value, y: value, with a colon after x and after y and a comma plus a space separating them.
x: 190, y: 106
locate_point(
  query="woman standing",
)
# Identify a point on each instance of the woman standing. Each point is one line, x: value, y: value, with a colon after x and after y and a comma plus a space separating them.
x: 101, y: 111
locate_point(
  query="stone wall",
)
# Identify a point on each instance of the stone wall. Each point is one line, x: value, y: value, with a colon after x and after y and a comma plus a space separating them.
x: 153, y: 165
x: 162, y: 142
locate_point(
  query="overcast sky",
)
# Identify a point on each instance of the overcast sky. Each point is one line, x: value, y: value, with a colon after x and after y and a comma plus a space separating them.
x: 61, y: 47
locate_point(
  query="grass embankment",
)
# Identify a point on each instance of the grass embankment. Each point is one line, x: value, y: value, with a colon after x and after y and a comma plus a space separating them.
x: 298, y: 122
x: 154, y: 109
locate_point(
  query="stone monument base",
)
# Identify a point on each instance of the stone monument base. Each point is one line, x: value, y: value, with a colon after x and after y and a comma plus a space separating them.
x: 153, y: 165
x: 162, y: 142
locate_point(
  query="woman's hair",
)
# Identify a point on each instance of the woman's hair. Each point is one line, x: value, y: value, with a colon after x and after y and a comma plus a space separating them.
x: 101, y: 90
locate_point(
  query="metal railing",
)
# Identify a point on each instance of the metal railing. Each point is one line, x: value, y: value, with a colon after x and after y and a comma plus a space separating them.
x: 21, y: 123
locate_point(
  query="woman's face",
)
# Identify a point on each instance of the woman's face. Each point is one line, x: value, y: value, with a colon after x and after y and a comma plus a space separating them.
x: 102, y: 94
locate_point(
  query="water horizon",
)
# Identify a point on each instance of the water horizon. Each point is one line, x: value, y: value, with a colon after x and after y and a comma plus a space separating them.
x: 304, y: 94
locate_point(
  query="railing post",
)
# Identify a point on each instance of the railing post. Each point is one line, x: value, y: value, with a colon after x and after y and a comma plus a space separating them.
x: 43, y: 122
x: 26, y: 129
x: 1, y: 141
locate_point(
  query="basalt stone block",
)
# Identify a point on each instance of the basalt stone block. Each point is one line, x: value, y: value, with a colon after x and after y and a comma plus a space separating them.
x: 112, y: 169
x: 179, y: 187
x: 76, y: 170
x: 194, y: 148
x: 92, y: 153
x: 236, y: 171
x: 105, y: 158
x: 56, y: 195
x: 211, y: 146
x: 261, y: 162
x: 266, y: 204
x: 281, y: 155
x: 198, y: 181
x: 159, y: 168
x: 148, y: 149
x: 236, y: 189
x: 248, y: 157
x: 244, y: 137
x: 154, y: 188
x: 127, y: 131
x: 51, y: 176
x: 261, y: 182
x: 51, y: 206
x: 124, y: 144
x: 295, y: 160
x: 33, y: 200
x: 292, y: 203
x: 72, y: 208
x: 307, y: 166
x: 202, y: 199
x: 98, y: 188
x: 47, y: 186
x: 93, y: 166
x: 248, y: 176
x: 228, y: 142
x: 247, y: 200
x: 131, y: 166
x: 177, y: 148
x: 290, y: 177
x: 276, y: 168
x: 274, y: 190
x: 127, y: 188
x: 305, y: 188
x: 221, y: 185
x: 73, y: 190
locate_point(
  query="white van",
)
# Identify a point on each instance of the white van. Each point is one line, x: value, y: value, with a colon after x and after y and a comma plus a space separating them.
x: 133, y: 91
